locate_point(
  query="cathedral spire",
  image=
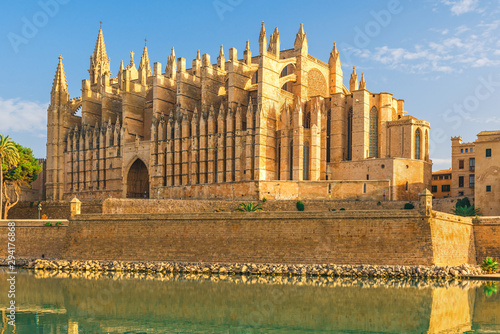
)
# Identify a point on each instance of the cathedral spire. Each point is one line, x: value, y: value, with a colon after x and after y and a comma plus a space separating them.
x: 262, y: 39
x: 60, y: 84
x: 301, y: 40
x: 144, y: 66
x: 99, y: 61
x: 362, y: 83
x: 353, y: 83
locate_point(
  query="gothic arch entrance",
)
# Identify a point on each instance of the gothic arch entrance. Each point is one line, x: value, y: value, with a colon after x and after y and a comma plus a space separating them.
x: 138, y: 180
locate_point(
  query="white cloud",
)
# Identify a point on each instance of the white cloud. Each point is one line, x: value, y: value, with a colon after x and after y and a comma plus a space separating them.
x: 459, y: 7
x: 461, y: 48
x: 17, y: 115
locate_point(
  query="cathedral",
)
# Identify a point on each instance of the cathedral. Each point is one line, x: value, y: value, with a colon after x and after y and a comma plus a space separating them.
x: 279, y: 124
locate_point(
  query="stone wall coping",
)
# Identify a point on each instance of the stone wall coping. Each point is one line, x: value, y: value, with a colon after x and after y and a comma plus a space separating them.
x: 451, y: 218
x: 34, y: 222
x: 275, y: 215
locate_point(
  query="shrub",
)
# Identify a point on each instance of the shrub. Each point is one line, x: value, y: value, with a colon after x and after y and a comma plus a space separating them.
x: 489, y: 265
x: 59, y: 223
x: 300, y: 206
x: 466, y: 211
x: 48, y: 224
x: 333, y: 209
x: 463, y: 202
x: 379, y: 203
x: 409, y: 206
x: 249, y: 207
x: 342, y: 209
x: 264, y: 200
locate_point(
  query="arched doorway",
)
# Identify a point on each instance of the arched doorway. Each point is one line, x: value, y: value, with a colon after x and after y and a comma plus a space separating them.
x: 138, y: 180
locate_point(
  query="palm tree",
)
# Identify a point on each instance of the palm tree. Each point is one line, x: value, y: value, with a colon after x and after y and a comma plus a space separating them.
x: 9, y: 154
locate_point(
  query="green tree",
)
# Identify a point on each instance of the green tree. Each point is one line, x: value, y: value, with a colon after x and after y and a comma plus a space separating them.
x: 24, y: 172
x: 9, y: 157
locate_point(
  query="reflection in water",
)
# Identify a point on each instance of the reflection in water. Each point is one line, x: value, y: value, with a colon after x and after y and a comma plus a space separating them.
x: 58, y: 302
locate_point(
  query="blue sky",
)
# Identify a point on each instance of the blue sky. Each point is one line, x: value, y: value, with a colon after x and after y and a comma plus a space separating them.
x: 442, y: 57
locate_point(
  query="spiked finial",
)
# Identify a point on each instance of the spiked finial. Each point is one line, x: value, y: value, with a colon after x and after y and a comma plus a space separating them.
x: 362, y: 83
x: 221, y: 60
x: 301, y: 40
x: 221, y: 52
x: 353, y: 83
x: 171, y: 67
x: 262, y: 39
x: 198, y: 56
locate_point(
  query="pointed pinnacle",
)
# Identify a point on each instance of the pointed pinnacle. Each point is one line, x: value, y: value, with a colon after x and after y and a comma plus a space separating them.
x: 198, y: 56
x: 221, y: 52
x: 247, y: 48
x: 172, y: 52
x: 262, y: 30
x: 301, y: 29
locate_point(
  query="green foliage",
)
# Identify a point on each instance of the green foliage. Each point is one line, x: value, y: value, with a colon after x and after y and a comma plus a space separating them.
x: 300, y: 206
x: 27, y: 169
x: 264, y: 200
x: 342, y: 209
x: 409, y: 206
x: 249, y: 207
x: 59, y: 223
x: 466, y: 211
x: 48, y: 224
x: 333, y: 209
x: 379, y: 203
x: 9, y: 155
x: 490, y: 288
x: 462, y: 203
x: 489, y: 265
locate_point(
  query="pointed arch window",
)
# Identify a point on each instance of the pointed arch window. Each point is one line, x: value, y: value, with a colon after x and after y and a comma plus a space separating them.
x: 417, y: 144
x: 373, y: 149
x: 349, y: 134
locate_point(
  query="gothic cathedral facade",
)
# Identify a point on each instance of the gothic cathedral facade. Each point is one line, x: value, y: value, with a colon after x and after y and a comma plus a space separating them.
x: 280, y: 125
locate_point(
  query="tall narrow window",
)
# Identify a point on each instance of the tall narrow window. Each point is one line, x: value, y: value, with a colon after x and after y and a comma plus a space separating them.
x: 328, y: 134
x: 216, y: 172
x: 417, y: 144
x: 290, y: 163
x: 307, y: 120
x: 306, y: 160
x: 349, y: 134
x: 373, y: 152
x: 278, y: 159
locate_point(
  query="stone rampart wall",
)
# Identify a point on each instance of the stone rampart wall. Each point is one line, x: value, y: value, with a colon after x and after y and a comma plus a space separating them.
x: 487, y: 237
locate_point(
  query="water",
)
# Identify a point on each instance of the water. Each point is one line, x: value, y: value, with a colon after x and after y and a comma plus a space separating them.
x: 50, y: 302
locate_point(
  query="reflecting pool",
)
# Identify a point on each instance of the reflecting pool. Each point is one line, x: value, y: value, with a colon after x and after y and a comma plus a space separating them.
x: 58, y: 302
